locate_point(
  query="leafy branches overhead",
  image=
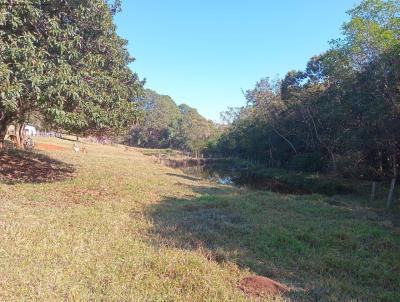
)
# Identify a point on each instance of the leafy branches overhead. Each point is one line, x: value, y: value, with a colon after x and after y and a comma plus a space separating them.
x: 65, y: 59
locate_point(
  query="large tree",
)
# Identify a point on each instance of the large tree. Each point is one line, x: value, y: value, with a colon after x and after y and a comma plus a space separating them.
x: 65, y: 60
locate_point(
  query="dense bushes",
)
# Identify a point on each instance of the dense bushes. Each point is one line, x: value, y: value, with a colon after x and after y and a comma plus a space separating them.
x: 309, y: 162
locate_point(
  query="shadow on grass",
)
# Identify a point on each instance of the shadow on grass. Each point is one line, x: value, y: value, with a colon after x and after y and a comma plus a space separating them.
x: 211, y: 223
x: 18, y: 166
x: 328, y: 251
x: 68, y: 139
x: 187, y: 177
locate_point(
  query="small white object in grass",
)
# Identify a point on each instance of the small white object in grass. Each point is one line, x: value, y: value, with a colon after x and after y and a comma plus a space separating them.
x: 76, y: 148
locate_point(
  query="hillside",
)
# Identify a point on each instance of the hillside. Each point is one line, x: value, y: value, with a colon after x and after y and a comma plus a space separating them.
x: 114, y: 225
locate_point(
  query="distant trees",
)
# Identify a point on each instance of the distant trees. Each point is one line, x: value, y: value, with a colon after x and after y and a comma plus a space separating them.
x: 166, y: 125
x: 65, y: 60
x: 194, y: 132
x: 160, y: 119
x: 340, y: 114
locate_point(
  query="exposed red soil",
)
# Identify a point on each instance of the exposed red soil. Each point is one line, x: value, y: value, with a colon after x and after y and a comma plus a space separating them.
x: 262, y: 286
x: 48, y: 147
x: 21, y: 166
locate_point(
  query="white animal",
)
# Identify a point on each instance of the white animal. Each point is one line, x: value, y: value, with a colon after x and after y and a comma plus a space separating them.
x: 76, y: 148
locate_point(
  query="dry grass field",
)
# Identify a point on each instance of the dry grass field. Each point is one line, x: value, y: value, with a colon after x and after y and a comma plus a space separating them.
x: 113, y: 225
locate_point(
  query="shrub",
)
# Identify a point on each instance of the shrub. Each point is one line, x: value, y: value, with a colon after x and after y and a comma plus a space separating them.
x: 308, y: 162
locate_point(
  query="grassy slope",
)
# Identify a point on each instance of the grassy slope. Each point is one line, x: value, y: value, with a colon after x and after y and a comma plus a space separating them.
x: 125, y: 228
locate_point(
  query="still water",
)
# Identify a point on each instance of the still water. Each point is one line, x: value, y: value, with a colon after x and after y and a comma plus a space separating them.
x: 227, y: 173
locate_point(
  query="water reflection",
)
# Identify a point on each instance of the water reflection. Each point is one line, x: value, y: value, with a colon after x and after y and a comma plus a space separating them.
x: 228, y: 173
x: 211, y: 172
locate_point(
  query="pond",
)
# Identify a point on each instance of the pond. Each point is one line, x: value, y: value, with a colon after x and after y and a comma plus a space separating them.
x: 228, y: 173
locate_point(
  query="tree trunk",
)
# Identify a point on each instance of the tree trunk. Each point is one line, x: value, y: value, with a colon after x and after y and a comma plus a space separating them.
x: 5, y: 121
x: 391, y: 193
x: 393, y: 182
x: 3, y: 132
x: 20, y: 134
x: 286, y: 139
x: 333, y: 158
x: 331, y: 154
x: 373, y: 190
x: 271, y: 157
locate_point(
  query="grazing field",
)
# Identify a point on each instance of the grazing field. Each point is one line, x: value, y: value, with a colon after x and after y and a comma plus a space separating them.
x: 113, y: 225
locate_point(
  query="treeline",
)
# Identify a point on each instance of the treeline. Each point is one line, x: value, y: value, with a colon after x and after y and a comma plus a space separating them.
x: 341, y: 114
x: 63, y: 61
x: 164, y: 124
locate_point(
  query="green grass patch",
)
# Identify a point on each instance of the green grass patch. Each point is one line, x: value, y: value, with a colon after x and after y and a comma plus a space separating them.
x: 124, y: 228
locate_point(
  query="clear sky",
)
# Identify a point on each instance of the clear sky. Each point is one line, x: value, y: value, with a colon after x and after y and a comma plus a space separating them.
x: 204, y: 53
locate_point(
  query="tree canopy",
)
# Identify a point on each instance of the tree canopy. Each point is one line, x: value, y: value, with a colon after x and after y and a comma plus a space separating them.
x: 166, y: 125
x: 341, y: 114
x: 65, y: 60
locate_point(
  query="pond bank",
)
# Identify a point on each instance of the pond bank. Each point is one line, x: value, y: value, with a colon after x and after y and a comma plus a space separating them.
x: 242, y: 173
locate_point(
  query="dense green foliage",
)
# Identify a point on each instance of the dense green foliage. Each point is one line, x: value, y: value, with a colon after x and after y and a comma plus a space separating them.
x: 166, y: 125
x: 341, y: 114
x: 65, y: 60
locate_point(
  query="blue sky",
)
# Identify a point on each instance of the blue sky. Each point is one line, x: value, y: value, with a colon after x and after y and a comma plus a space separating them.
x: 204, y: 53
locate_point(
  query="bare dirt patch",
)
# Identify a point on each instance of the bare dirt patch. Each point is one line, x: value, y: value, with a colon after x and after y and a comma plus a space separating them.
x: 48, y: 147
x: 262, y: 286
x: 17, y: 166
